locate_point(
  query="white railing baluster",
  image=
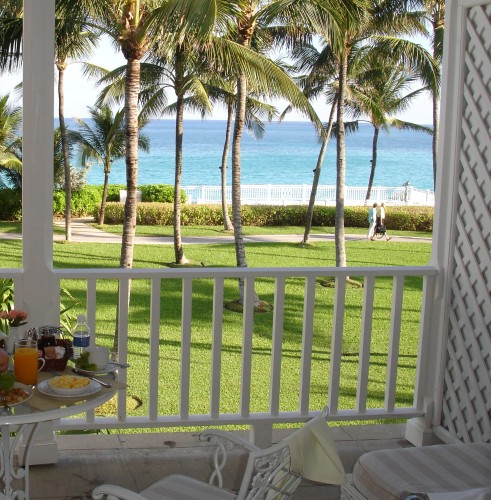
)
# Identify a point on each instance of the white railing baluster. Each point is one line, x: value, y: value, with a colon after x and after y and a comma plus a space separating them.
x: 336, y: 344
x: 216, y: 349
x: 395, y: 337
x: 277, y: 346
x: 307, y: 336
x: 187, y: 311
x: 122, y: 333
x: 91, y: 308
x: 154, y: 354
x: 365, y: 343
x: 247, y: 327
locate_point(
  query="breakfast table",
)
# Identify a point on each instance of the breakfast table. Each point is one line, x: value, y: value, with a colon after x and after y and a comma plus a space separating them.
x: 22, y: 419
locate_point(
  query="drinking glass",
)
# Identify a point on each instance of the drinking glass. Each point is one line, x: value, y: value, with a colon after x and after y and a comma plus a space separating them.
x: 26, y: 362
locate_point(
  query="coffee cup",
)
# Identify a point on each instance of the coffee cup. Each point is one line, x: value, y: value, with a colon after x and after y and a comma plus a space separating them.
x: 99, y: 356
x: 26, y: 362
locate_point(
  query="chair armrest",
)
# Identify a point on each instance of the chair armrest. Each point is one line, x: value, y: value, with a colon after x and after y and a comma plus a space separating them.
x: 224, y: 442
x: 113, y: 492
x: 214, y: 436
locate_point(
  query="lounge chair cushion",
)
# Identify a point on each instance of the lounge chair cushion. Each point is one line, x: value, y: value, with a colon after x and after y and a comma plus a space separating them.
x: 389, y: 474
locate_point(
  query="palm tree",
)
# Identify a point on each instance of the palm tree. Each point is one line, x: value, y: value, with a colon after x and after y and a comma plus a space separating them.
x: 221, y: 89
x: 319, y: 80
x: 254, y: 15
x: 11, y: 12
x: 434, y: 12
x: 179, y: 68
x: 370, y: 28
x: 73, y: 39
x: 105, y: 142
x: 10, y: 141
x: 379, y: 92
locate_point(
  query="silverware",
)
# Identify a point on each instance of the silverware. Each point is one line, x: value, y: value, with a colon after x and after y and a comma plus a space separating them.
x: 104, y: 384
x: 121, y: 365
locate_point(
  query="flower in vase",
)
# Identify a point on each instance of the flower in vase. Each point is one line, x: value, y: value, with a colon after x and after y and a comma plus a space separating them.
x: 14, y: 317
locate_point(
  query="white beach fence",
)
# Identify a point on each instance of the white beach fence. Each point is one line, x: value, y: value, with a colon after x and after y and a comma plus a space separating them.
x: 285, y: 194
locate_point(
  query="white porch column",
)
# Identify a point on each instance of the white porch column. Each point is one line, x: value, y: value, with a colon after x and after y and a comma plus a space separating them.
x: 40, y: 289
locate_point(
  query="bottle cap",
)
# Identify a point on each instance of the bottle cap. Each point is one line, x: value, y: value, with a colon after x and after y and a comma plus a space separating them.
x: 81, y: 318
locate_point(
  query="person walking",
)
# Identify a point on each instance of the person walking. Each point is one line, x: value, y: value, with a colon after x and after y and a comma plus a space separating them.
x: 381, y: 221
x: 372, y: 221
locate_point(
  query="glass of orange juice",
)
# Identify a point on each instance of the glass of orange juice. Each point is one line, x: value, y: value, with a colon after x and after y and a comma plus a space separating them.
x: 26, y: 362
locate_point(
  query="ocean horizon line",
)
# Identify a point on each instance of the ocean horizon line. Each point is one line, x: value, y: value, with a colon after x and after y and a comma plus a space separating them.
x: 287, y: 153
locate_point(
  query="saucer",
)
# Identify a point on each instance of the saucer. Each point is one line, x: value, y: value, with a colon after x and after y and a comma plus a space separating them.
x: 110, y: 368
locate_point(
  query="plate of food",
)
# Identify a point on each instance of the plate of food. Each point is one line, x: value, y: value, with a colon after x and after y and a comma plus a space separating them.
x: 16, y: 395
x: 68, y: 386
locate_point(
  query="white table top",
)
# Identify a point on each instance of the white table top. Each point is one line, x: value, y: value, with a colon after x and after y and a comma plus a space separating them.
x: 41, y: 407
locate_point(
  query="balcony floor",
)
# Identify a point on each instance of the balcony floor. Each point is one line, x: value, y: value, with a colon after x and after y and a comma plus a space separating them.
x: 135, y: 461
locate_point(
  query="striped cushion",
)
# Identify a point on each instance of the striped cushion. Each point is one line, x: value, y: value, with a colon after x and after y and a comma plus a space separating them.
x: 387, y: 474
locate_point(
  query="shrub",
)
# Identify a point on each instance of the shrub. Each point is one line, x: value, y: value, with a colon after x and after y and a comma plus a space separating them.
x: 162, y: 193
x: 11, y: 204
x: 400, y: 218
x: 84, y: 202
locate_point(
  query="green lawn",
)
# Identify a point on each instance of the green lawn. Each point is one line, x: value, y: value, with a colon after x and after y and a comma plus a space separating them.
x: 247, y: 230
x: 359, y: 253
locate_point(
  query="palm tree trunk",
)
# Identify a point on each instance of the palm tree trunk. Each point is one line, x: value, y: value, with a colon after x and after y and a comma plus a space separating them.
x: 246, y: 29
x: 132, y: 87
x: 317, y: 174
x: 102, y: 211
x: 236, y: 201
x: 374, y: 163
x: 240, y: 253
x: 178, y: 249
x: 227, y: 223
x: 341, y: 168
x: 436, y: 134
x: 66, y: 157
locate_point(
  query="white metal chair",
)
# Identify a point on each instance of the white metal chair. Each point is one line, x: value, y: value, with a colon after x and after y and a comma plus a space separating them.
x: 273, y: 472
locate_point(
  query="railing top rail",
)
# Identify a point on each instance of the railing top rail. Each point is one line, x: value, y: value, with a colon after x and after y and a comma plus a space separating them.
x: 228, y: 272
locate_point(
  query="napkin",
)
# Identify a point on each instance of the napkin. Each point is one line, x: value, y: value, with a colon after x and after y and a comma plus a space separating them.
x: 313, y: 453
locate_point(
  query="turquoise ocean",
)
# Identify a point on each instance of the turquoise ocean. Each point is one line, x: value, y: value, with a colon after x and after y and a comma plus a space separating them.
x: 287, y: 154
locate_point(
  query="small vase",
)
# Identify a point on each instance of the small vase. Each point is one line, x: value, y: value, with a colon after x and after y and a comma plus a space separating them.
x: 14, y: 334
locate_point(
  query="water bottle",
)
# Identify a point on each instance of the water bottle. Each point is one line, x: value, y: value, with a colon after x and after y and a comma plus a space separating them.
x: 81, y: 336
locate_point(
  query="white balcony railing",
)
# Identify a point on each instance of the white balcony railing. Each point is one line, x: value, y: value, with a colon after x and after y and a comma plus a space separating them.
x: 148, y: 286
x: 271, y: 194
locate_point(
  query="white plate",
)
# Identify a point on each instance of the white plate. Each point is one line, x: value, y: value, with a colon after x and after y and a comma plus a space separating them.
x: 26, y: 388
x: 110, y: 368
x: 92, y: 388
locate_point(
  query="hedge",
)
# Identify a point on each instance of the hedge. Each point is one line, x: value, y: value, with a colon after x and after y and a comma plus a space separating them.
x: 87, y: 201
x: 407, y: 218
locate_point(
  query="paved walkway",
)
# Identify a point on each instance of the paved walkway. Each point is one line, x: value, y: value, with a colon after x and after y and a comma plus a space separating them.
x: 84, y: 232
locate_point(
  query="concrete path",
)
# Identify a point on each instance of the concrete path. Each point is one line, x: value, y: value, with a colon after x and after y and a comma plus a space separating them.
x: 82, y: 231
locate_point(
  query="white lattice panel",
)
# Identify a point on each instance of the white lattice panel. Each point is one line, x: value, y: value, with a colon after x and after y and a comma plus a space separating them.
x: 467, y: 385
